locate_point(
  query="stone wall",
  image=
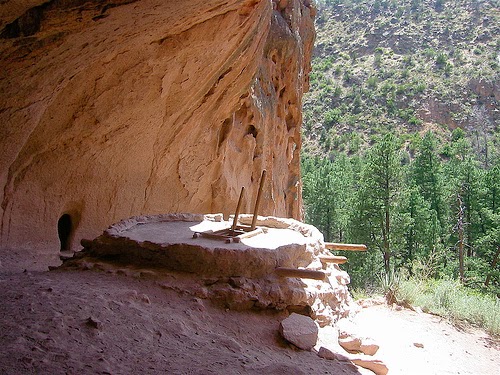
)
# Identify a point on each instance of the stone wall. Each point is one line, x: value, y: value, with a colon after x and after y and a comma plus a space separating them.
x: 115, y: 109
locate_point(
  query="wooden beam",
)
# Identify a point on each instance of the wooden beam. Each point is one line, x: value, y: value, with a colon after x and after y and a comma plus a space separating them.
x: 249, y: 234
x: 345, y: 246
x: 257, y: 201
x: 333, y: 259
x: 300, y: 273
x: 238, y: 207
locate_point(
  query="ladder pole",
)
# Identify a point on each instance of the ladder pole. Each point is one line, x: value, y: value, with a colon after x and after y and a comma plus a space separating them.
x: 238, y: 207
x: 257, y: 202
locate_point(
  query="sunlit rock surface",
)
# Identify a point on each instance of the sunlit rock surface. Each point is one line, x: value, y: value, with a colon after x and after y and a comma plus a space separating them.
x: 115, y: 109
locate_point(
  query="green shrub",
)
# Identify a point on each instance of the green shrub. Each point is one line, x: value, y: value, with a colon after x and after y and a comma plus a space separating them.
x: 441, y: 59
x: 420, y: 87
x: 413, y: 120
x: 372, y: 82
x: 332, y: 117
x: 337, y: 91
x: 324, y: 64
x: 429, y: 52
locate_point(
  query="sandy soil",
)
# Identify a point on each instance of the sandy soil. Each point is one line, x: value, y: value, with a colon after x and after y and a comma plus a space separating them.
x: 419, y: 343
x: 89, y: 322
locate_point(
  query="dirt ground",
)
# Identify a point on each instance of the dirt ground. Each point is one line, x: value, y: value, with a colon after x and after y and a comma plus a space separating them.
x: 90, y: 322
x: 419, y: 343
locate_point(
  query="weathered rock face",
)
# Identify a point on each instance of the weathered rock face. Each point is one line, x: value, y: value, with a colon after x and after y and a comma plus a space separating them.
x: 114, y: 109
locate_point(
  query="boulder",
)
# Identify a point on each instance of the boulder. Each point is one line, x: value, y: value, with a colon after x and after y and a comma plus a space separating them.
x: 300, y: 330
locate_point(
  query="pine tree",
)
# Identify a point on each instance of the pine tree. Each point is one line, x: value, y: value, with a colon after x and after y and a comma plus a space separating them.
x: 463, y: 177
x: 420, y: 234
x: 427, y: 175
x: 327, y: 193
x: 488, y: 242
x: 381, y: 180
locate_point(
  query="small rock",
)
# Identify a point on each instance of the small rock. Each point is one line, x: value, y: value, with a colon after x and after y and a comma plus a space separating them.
x: 300, y: 330
x: 351, y: 344
x: 418, y: 344
x: 368, y: 347
x: 93, y: 323
x: 326, y: 353
x: 375, y: 365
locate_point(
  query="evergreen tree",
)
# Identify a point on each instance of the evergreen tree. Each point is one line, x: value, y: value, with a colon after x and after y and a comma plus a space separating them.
x: 426, y: 175
x: 327, y: 194
x: 449, y: 203
x: 420, y: 232
x: 488, y: 241
x: 380, y: 189
x: 463, y: 186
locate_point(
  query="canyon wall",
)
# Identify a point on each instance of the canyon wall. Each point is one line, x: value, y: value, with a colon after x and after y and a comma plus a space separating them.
x: 110, y: 109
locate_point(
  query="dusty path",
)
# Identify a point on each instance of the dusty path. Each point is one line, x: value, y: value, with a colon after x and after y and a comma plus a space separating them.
x: 418, y: 343
x: 89, y: 322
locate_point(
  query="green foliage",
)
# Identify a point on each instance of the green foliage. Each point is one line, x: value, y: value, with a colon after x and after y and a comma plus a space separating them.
x: 405, y: 209
x: 379, y: 193
x: 325, y: 64
x: 332, y: 117
x: 441, y: 59
x: 390, y: 284
x: 384, y: 74
x: 389, y: 85
x: 448, y: 298
x: 372, y: 82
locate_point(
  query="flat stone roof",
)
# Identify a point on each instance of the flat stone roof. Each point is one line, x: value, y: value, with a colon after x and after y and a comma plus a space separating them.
x: 168, y: 233
x: 167, y: 241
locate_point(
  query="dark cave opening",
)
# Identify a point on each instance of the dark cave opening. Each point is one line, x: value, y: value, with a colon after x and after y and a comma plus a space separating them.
x: 64, y: 229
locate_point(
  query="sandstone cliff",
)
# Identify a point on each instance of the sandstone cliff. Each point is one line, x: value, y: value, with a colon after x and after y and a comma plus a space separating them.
x: 110, y: 109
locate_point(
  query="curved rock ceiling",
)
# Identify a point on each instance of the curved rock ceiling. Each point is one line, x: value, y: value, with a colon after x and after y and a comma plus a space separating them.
x: 110, y: 109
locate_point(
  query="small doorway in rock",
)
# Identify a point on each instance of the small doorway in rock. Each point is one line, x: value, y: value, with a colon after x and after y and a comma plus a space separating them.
x: 64, y: 229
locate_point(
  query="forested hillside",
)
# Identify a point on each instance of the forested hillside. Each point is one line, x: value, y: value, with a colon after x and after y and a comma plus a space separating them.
x: 401, y: 140
x: 406, y: 66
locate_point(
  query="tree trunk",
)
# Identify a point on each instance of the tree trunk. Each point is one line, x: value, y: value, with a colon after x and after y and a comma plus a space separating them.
x: 460, y: 228
x: 461, y: 253
x: 386, y: 227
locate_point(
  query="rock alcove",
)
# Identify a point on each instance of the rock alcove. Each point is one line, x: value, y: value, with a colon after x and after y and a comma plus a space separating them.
x: 110, y: 109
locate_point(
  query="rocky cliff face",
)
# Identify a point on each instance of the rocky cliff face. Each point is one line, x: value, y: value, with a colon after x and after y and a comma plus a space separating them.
x: 110, y: 109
